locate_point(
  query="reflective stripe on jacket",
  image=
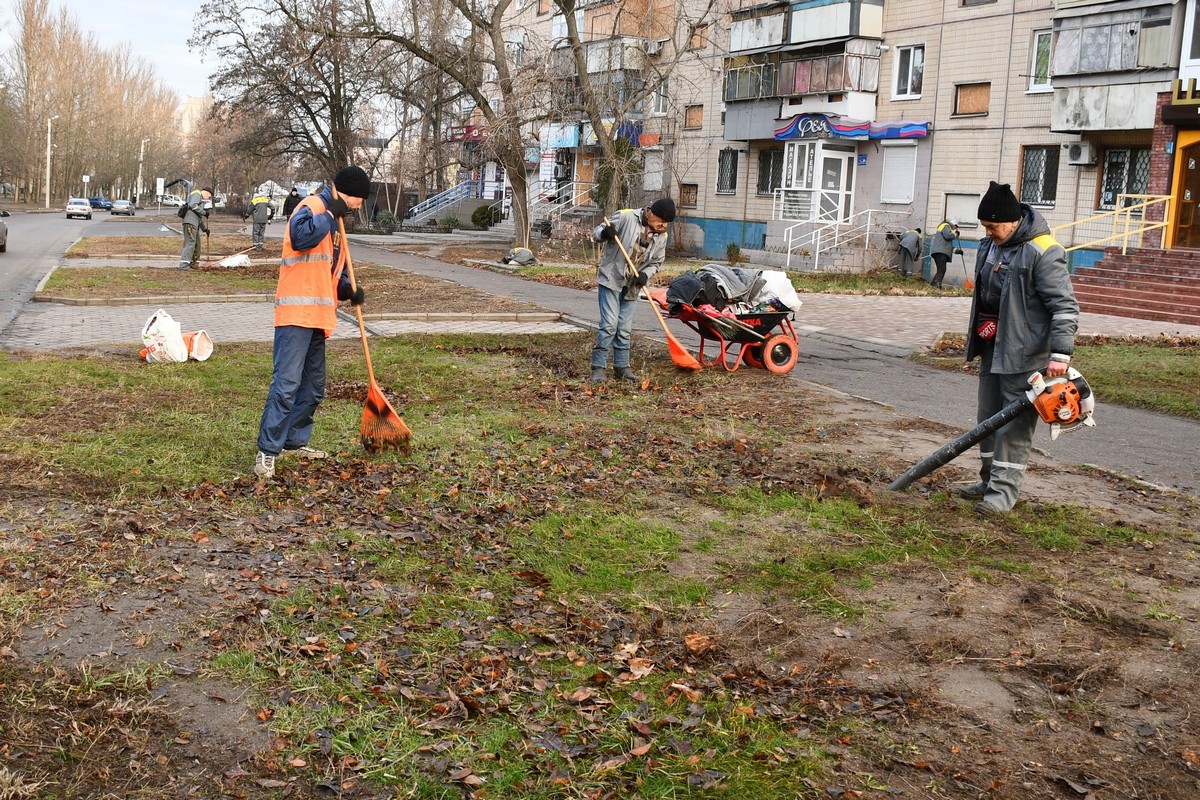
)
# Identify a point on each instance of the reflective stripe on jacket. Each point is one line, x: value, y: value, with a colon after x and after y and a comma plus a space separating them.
x: 307, y: 291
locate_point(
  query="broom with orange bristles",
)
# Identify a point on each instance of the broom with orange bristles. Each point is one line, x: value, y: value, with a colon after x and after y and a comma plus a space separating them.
x: 382, y: 427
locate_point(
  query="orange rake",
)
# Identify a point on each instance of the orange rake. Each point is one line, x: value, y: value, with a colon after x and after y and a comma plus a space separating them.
x: 382, y: 427
x: 679, y: 354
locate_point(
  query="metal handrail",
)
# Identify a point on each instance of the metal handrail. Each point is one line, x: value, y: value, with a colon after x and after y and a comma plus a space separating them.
x: 837, y: 232
x: 431, y: 205
x: 1124, y: 224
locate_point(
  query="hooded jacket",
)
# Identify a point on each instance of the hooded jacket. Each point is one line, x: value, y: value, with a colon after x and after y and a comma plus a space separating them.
x: 1031, y: 288
x: 630, y: 225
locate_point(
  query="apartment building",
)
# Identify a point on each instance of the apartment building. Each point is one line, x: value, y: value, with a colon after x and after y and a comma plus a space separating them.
x: 779, y: 112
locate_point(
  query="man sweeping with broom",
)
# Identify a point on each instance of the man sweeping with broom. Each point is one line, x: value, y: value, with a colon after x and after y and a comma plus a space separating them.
x: 311, y: 282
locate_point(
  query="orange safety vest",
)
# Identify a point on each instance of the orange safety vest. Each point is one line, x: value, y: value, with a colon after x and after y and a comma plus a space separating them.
x: 307, y: 292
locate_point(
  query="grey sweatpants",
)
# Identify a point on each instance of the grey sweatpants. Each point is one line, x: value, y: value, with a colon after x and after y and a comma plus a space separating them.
x: 1005, y: 453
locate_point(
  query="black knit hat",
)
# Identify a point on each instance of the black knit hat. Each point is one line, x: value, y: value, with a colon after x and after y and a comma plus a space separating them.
x: 352, y: 181
x: 999, y: 204
x: 664, y: 209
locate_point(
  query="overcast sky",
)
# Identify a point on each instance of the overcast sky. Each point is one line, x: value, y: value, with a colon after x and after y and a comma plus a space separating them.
x: 158, y: 30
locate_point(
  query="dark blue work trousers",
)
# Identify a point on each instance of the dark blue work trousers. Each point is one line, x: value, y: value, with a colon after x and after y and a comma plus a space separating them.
x: 297, y: 388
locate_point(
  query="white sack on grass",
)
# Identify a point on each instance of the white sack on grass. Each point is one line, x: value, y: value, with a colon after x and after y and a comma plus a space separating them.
x: 163, y: 339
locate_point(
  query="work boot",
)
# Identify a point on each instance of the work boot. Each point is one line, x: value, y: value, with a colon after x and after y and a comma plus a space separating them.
x: 985, y: 509
x: 975, y: 491
x: 626, y: 374
x: 599, y: 375
x: 307, y: 452
x: 264, y: 465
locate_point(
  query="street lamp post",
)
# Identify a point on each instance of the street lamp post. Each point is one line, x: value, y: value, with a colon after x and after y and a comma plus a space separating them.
x: 141, y: 155
x: 48, y: 159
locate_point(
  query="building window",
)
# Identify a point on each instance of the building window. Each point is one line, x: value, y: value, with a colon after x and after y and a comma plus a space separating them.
x: 543, y: 6
x: 967, y: 3
x: 770, y: 170
x: 693, y: 116
x: 727, y: 169
x: 1126, y: 171
x: 662, y: 96
x: 910, y: 69
x: 1039, y: 175
x: 689, y: 194
x: 1039, y: 62
x: 699, y: 38
x: 899, y: 173
x: 972, y: 99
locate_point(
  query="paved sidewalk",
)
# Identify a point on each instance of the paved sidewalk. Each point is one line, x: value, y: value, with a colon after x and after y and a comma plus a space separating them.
x: 888, y: 325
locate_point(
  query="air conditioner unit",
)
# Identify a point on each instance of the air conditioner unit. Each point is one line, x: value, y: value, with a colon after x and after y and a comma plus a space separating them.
x: 653, y: 46
x: 1081, y: 153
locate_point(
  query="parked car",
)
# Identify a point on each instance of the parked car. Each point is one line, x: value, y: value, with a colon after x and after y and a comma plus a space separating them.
x: 3, y: 232
x: 169, y: 200
x: 123, y: 207
x: 79, y: 207
x: 102, y: 203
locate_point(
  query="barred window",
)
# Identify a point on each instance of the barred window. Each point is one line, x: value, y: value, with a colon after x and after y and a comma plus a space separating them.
x: 1126, y: 171
x: 1039, y: 175
x: 770, y: 170
x: 727, y: 169
x: 689, y: 195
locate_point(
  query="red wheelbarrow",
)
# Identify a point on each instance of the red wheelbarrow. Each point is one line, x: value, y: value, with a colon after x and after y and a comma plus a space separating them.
x: 755, y: 334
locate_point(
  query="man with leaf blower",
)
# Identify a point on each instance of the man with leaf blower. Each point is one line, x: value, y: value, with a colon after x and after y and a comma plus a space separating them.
x: 195, y: 222
x: 311, y: 282
x: 643, y: 232
x: 1024, y: 317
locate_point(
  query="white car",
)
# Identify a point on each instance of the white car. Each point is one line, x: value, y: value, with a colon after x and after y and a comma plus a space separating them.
x: 79, y: 207
x: 3, y: 232
x: 170, y: 200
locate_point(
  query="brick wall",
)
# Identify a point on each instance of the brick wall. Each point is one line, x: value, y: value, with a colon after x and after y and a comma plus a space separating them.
x: 1162, y: 165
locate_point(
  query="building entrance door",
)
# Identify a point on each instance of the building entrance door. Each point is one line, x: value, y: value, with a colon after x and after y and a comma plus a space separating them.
x: 1187, y: 198
x: 836, y: 190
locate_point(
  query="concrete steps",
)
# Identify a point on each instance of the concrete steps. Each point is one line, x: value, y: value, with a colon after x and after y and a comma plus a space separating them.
x: 1162, y: 285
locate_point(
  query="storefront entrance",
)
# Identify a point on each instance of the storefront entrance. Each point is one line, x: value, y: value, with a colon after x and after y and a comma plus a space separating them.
x: 1187, y: 197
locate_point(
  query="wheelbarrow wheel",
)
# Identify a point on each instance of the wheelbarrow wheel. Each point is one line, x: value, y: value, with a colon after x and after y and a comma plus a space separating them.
x: 752, y: 355
x: 779, y: 354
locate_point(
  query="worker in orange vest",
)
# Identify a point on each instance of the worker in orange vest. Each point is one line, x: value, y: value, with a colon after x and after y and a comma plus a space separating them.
x: 311, y: 282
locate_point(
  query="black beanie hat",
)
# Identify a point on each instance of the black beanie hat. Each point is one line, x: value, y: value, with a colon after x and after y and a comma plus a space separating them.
x: 999, y: 204
x: 352, y: 181
x: 664, y: 209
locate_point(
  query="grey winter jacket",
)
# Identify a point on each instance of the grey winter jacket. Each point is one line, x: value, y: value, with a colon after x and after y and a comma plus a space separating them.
x: 197, y: 213
x: 1039, y: 314
x: 942, y: 241
x: 630, y: 225
x: 261, y: 213
x: 911, y: 241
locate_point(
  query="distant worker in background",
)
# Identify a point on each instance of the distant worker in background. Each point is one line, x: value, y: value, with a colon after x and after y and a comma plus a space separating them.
x: 910, y: 251
x: 261, y: 212
x: 291, y: 201
x: 195, y: 222
x: 943, y: 246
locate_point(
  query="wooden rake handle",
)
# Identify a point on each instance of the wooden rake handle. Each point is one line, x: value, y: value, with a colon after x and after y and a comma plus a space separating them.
x: 344, y: 257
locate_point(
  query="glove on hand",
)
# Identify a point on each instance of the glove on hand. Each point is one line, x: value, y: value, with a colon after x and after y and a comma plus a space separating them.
x: 354, y: 296
x: 641, y: 279
x: 337, y: 206
x: 958, y: 251
x: 608, y: 233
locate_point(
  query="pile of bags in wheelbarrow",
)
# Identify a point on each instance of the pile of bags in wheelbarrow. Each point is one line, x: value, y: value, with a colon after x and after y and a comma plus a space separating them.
x: 740, y: 310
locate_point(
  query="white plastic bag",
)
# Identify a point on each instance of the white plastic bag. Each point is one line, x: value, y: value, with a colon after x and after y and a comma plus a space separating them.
x: 163, y: 340
x: 777, y: 285
x: 199, y: 346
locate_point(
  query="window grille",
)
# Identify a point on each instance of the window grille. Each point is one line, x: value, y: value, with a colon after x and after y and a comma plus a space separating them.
x: 1039, y: 175
x: 770, y: 170
x: 727, y: 168
x: 1126, y: 171
x: 689, y: 194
